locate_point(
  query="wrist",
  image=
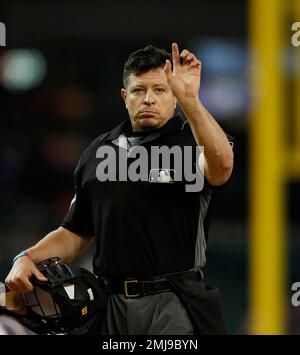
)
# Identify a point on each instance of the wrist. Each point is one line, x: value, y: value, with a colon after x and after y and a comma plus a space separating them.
x: 189, y: 102
x: 20, y: 255
x: 192, y: 108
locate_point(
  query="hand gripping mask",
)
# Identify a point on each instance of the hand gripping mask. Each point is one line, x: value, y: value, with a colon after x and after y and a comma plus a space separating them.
x: 72, y: 301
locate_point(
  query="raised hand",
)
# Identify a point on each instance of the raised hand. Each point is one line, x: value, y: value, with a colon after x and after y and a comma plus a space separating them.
x: 184, y: 80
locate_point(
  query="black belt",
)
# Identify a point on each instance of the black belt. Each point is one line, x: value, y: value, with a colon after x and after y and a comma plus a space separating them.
x: 135, y: 288
x: 132, y: 288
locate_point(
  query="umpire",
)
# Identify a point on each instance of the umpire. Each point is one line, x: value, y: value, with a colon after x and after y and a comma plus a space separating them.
x: 150, y: 233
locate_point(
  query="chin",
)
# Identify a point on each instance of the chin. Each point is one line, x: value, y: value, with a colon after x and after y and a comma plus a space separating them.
x: 146, y: 124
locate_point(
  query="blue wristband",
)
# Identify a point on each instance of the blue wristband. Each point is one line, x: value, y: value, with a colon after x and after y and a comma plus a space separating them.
x: 23, y: 253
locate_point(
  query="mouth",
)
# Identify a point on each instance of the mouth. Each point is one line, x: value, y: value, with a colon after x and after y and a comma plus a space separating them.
x: 147, y: 113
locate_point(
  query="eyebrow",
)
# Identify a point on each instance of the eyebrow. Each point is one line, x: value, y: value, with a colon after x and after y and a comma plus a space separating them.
x: 142, y: 85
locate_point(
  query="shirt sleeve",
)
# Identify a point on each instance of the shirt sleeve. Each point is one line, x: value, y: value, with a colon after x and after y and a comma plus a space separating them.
x: 79, y: 218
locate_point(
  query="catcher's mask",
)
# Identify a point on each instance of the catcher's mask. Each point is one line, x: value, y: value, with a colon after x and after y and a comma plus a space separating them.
x: 72, y: 301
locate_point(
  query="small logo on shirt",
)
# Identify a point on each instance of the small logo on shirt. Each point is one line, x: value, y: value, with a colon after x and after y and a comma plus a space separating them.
x: 162, y: 175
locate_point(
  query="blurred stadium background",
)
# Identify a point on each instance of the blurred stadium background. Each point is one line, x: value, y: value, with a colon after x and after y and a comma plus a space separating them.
x: 60, y: 80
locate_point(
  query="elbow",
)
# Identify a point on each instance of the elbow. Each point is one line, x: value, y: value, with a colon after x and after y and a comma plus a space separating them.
x: 227, y: 161
x: 226, y: 167
x: 222, y: 172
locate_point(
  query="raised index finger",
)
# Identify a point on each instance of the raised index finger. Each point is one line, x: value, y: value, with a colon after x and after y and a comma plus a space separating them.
x: 175, y: 54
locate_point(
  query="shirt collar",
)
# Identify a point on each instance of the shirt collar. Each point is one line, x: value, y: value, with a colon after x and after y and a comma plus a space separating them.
x: 176, y: 123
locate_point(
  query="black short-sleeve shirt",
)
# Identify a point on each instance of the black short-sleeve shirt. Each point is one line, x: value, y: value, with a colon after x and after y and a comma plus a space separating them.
x: 142, y: 228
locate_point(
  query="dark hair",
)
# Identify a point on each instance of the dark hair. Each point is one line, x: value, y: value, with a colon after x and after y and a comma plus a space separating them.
x: 143, y: 60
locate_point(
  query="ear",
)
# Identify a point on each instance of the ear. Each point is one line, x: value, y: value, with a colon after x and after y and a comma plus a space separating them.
x: 123, y: 94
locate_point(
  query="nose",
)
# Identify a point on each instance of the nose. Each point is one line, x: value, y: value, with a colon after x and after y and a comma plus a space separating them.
x: 149, y: 98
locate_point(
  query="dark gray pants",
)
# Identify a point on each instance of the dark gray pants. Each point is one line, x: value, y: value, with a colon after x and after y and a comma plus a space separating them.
x: 158, y: 314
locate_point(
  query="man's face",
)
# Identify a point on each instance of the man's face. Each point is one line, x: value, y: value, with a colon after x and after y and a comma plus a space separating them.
x: 149, y: 100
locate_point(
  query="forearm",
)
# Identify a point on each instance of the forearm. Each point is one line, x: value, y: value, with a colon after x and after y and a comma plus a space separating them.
x: 60, y: 242
x: 217, y: 149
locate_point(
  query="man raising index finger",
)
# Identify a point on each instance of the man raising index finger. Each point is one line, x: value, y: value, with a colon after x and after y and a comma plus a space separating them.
x: 184, y: 81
